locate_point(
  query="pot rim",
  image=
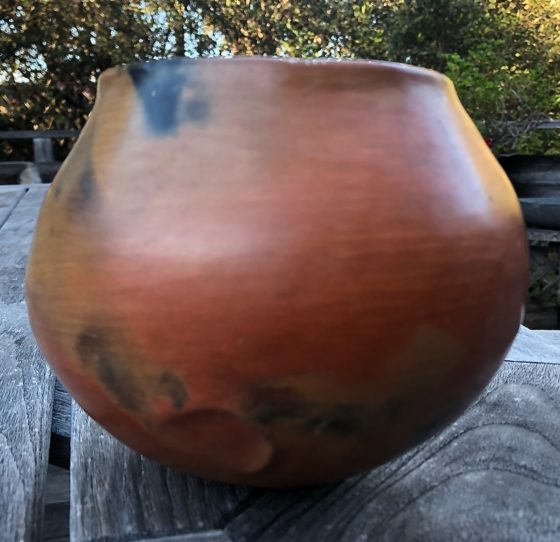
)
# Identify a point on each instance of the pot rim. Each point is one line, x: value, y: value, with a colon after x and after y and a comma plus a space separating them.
x: 395, y: 69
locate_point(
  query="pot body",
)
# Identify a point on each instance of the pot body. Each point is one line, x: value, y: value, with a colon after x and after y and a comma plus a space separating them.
x: 275, y: 272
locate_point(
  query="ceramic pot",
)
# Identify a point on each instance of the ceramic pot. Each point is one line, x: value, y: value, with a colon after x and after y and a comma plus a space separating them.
x: 275, y: 272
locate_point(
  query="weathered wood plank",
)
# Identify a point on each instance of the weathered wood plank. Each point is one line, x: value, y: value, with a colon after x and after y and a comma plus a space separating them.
x: 19, y: 173
x: 15, y: 240
x: 31, y: 134
x: 57, y: 505
x: 61, y: 420
x: 532, y: 346
x: 9, y: 198
x: 549, y: 335
x: 536, y: 235
x: 117, y: 494
x: 58, y: 485
x: 492, y: 475
x: 62, y: 411
x: 210, y: 536
x: 26, y: 393
x: 549, y: 125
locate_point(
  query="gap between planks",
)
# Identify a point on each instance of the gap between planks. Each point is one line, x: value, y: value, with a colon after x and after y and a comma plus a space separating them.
x: 9, y: 199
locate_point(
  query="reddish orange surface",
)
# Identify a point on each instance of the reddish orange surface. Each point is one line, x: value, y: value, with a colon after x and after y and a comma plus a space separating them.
x: 277, y: 272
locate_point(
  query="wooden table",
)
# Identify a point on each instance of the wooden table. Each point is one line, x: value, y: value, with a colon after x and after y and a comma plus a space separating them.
x: 492, y: 475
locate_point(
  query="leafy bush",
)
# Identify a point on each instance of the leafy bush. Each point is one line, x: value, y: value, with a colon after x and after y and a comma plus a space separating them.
x: 503, y: 55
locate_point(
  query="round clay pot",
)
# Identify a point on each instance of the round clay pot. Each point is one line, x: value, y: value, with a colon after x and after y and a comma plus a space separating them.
x: 275, y: 272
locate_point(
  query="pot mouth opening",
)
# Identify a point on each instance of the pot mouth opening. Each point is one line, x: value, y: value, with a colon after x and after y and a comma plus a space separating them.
x: 340, y: 67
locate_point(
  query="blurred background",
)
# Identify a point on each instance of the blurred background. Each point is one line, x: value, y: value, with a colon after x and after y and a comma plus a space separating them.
x: 502, y: 55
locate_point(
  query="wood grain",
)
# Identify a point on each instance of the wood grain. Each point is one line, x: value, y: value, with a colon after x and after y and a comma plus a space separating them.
x: 492, y: 475
x: 15, y: 239
x: 26, y: 393
x: 60, y: 438
x: 118, y: 494
x: 62, y: 410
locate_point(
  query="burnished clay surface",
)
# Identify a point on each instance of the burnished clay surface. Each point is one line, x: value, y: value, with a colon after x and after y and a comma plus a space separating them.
x: 276, y: 272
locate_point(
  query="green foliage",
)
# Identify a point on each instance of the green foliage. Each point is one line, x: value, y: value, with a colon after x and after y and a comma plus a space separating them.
x: 503, y: 55
x: 51, y: 52
x: 510, y: 81
x: 507, y: 98
x: 424, y: 32
x: 299, y: 28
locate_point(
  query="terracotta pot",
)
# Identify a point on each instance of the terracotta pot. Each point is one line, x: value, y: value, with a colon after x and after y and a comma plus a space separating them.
x: 273, y: 272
